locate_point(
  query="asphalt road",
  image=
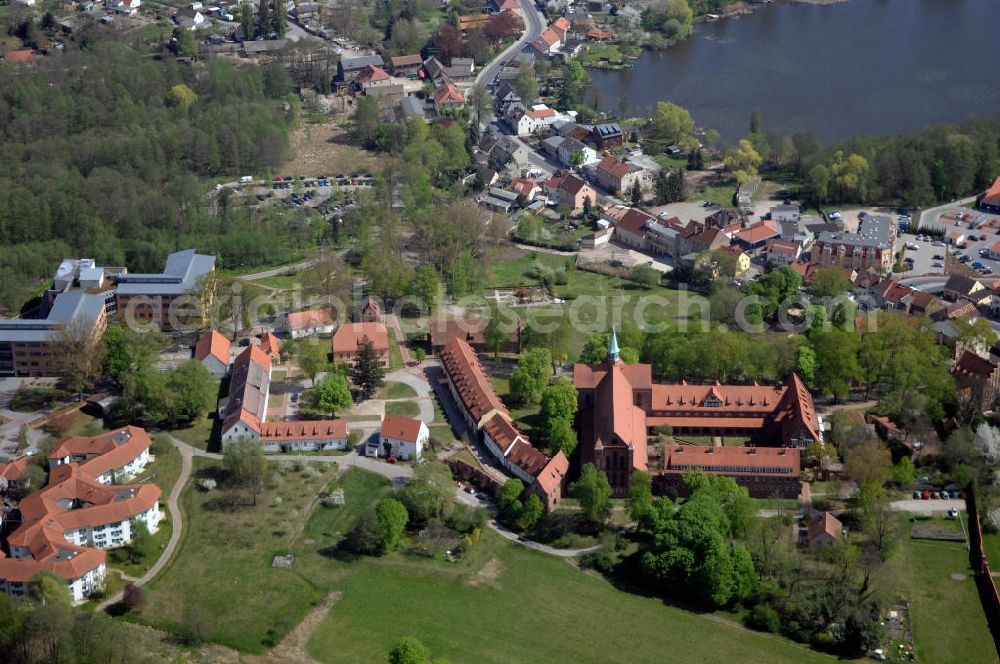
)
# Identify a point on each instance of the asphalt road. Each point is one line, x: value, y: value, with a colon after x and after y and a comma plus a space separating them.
x: 534, y: 24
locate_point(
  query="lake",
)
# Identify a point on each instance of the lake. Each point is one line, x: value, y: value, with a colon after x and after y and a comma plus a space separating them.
x: 860, y: 67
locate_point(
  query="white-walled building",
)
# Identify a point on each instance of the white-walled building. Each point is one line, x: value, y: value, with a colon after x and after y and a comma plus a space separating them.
x: 300, y: 324
x: 400, y: 437
x: 81, y: 511
x: 243, y: 411
x: 212, y: 350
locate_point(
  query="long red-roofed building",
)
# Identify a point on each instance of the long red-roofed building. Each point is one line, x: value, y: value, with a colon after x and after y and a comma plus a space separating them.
x: 487, y: 415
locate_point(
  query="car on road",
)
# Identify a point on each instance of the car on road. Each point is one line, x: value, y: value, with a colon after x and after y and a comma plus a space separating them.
x: 938, y: 257
x: 912, y: 246
x: 937, y: 265
x: 977, y: 264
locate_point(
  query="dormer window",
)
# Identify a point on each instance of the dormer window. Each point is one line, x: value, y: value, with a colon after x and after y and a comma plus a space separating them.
x: 711, y: 401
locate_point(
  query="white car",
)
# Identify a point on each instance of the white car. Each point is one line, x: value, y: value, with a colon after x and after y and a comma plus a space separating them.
x: 953, y: 513
x: 558, y: 300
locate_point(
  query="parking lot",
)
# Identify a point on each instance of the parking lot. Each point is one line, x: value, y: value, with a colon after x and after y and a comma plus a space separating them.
x: 980, y: 229
x: 926, y: 253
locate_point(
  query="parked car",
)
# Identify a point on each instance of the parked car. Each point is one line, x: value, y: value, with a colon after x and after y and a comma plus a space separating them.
x: 926, y: 495
x: 916, y: 495
x: 953, y: 513
x: 245, y: 342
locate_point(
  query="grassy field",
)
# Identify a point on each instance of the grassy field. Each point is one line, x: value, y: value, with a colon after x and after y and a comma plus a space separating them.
x: 720, y: 194
x: 948, y: 620
x: 198, y: 434
x: 397, y: 391
x: 224, y: 565
x: 505, y: 603
x: 402, y: 408
x: 395, y: 354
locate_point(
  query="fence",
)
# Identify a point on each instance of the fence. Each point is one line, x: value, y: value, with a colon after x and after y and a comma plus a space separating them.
x: 981, y: 566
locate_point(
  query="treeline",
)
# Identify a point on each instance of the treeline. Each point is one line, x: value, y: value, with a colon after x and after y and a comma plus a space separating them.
x: 105, y: 153
x: 936, y: 164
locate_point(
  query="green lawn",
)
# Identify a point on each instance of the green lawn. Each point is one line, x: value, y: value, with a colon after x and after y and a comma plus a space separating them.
x: 224, y: 565
x: 991, y: 547
x: 402, y: 408
x: 948, y: 620
x: 282, y: 281
x: 505, y: 603
x: 395, y: 354
x: 526, y: 415
x: 396, y: 391
x: 720, y: 194
x: 198, y: 434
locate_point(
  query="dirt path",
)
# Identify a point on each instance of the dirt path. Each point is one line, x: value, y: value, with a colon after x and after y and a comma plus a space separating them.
x: 177, y: 526
x: 292, y: 648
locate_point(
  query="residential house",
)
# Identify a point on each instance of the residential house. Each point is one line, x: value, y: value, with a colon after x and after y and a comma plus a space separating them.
x: 12, y: 474
x: 500, y: 6
x: 447, y: 97
x: 619, y: 177
x: 989, y: 201
x: 406, y: 65
x: 24, y: 56
x: 526, y: 187
x: 741, y: 260
x: 959, y: 287
x: 570, y: 191
x: 977, y: 381
x: 212, y: 350
x: 400, y: 437
x: 371, y: 77
x: 190, y: 19
x: 350, y: 68
x: 508, y: 149
x: 824, y: 530
x: 349, y: 339
x: 561, y: 27
x: 308, y: 323
x: 698, y: 238
x: 569, y: 147
x: 782, y: 252
x: 607, y: 136
x: 547, y: 43
x: 108, y: 458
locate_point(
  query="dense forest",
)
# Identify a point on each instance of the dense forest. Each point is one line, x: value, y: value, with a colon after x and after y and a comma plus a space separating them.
x: 105, y: 153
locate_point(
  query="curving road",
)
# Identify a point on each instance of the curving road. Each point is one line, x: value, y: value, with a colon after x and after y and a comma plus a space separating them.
x: 534, y: 24
x: 176, y: 520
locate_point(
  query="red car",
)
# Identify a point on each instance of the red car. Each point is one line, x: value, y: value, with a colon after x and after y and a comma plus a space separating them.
x: 392, y: 459
x: 926, y: 495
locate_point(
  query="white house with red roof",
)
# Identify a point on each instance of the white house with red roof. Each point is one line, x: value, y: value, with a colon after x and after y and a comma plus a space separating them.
x: 548, y: 42
x: 212, y: 350
x: 372, y: 77
x: 400, y: 437
x: 245, y: 409
x: 301, y: 324
x: 447, y: 97
x: 783, y: 252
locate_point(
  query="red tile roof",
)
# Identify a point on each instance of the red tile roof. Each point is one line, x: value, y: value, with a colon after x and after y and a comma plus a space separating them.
x: 400, y: 428
x: 106, y: 452
x: 212, y: 343
x: 447, y: 93
x: 371, y: 74
x: 14, y: 470
x: 758, y: 232
x: 474, y: 21
x: 349, y: 337
x: 476, y: 392
x: 24, y: 56
x: 552, y: 475
x: 992, y: 194
x: 613, y: 167
x: 270, y: 345
x: 249, y: 380
x: 784, y: 247
x: 300, y: 320
x: 827, y: 524
x: 541, y: 113
x: 733, y: 460
x: 406, y: 60
x: 303, y: 430
x: 970, y: 364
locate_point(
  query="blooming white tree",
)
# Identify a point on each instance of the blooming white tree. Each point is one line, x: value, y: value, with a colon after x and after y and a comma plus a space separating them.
x: 988, y: 441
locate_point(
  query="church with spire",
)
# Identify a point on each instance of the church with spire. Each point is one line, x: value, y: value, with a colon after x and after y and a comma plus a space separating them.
x: 620, y: 406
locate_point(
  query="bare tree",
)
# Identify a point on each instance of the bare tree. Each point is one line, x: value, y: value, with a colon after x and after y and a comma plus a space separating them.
x: 77, y: 353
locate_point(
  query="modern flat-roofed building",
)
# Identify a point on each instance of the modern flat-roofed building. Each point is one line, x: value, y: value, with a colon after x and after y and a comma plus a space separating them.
x: 28, y: 346
x: 158, y: 298
x: 871, y: 248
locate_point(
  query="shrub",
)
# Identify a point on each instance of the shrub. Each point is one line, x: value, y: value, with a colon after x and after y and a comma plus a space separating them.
x: 334, y: 499
x: 763, y: 618
x: 276, y: 501
x: 311, y: 471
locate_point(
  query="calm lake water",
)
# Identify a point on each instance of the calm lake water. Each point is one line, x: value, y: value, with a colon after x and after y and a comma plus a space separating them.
x: 861, y: 67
